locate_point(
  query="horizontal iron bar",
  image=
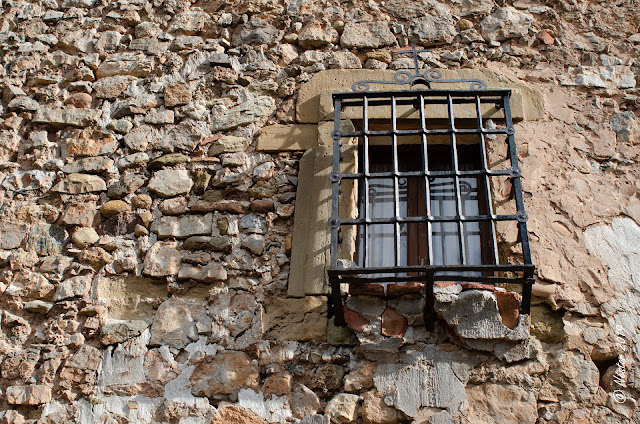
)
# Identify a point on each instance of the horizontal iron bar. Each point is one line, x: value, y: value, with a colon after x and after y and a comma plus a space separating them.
x: 401, y: 219
x: 480, y: 172
x: 411, y: 278
x: 433, y: 268
x: 430, y: 101
x: 424, y: 93
x: 438, y: 131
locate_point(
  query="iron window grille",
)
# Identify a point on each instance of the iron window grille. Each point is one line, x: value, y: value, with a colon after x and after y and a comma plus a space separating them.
x: 430, y: 268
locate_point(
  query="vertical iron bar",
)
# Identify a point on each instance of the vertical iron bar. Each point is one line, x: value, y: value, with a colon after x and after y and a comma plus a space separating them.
x: 456, y: 180
x: 427, y: 188
x: 487, y: 183
x: 365, y: 166
x: 517, y: 185
x: 336, y: 295
x: 396, y: 196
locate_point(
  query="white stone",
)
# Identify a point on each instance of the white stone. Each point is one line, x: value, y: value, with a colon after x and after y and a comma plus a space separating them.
x: 170, y: 182
x: 274, y: 410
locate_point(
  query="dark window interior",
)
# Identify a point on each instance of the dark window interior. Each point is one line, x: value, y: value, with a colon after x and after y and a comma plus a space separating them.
x: 379, y: 242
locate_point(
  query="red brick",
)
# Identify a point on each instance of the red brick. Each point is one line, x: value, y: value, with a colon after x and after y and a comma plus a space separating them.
x: 371, y: 289
x: 354, y: 320
x: 444, y: 284
x: 395, y: 290
x: 477, y: 286
x: 393, y: 324
x: 509, y: 308
x: 545, y: 37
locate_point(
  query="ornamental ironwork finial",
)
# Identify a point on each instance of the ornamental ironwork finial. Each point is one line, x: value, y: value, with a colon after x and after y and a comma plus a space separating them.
x: 425, y: 77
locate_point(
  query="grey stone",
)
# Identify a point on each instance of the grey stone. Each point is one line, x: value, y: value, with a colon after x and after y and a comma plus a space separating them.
x: 253, y: 224
x: 184, y: 226
x: 316, y: 419
x: 571, y: 376
x: 435, y: 377
x: 108, y: 41
x: 133, y: 160
x: 474, y: 314
x: 367, y: 35
x: 121, y: 126
x: 28, y: 395
x: 112, y: 87
x: 625, y: 126
x: 163, y: 259
x: 80, y: 183
x: 147, y: 30
x: 254, y: 243
x: 256, y: 31
x: 207, y: 274
x: 187, y: 42
x: 170, y: 182
x: 139, y: 138
x: 243, y: 114
x: 24, y: 104
x: 344, y: 60
x: 38, y: 306
x: 72, y: 287
x: 408, y: 9
x: 190, y: 22
x: 11, y: 235
x: 46, y: 239
x: 32, y: 180
x: 125, y: 63
x: 89, y: 165
x: 185, y: 136
x: 127, y: 184
x: 178, y: 323
x: 214, y: 243
x: 314, y: 35
x: 219, y: 59
x: 61, y: 117
x: 433, y: 30
x: 505, y: 23
x: 118, y: 331
x: 159, y: 117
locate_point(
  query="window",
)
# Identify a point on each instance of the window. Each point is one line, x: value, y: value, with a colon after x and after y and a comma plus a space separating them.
x: 425, y: 210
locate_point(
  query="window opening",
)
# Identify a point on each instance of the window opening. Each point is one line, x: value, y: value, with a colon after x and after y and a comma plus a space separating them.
x: 425, y: 210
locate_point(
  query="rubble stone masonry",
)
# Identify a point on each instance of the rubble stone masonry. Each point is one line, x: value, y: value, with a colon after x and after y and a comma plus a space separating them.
x: 150, y: 160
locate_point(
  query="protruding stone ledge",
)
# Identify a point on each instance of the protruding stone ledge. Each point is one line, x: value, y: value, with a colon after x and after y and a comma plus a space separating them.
x: 315, y: 103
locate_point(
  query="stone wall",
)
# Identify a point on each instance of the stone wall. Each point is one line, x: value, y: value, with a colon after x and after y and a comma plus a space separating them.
x: 145, y: 239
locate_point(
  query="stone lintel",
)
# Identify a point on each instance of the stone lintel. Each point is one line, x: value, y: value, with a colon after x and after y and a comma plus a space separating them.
x: 315, y: 103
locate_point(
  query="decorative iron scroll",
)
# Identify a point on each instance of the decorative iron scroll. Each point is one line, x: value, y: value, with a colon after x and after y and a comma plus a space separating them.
x: 426, y: 77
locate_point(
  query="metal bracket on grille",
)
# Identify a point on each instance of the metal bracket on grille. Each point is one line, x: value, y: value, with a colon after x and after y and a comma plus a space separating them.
x: 418, y: 77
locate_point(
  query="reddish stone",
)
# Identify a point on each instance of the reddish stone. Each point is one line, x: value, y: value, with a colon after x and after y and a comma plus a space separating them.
x: 545, y: 37
x: 277, y: 384
x: 444, y: 284
x: 509, y: 308
x: 370, y: 289
x: 262, y: 206
x: 354, y: 320
x: 393, y: 324
x: 222, y: 206
x: 79, y: 100
x: 235, y: 415
x: 477, y: 286
x: 395, y: 290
